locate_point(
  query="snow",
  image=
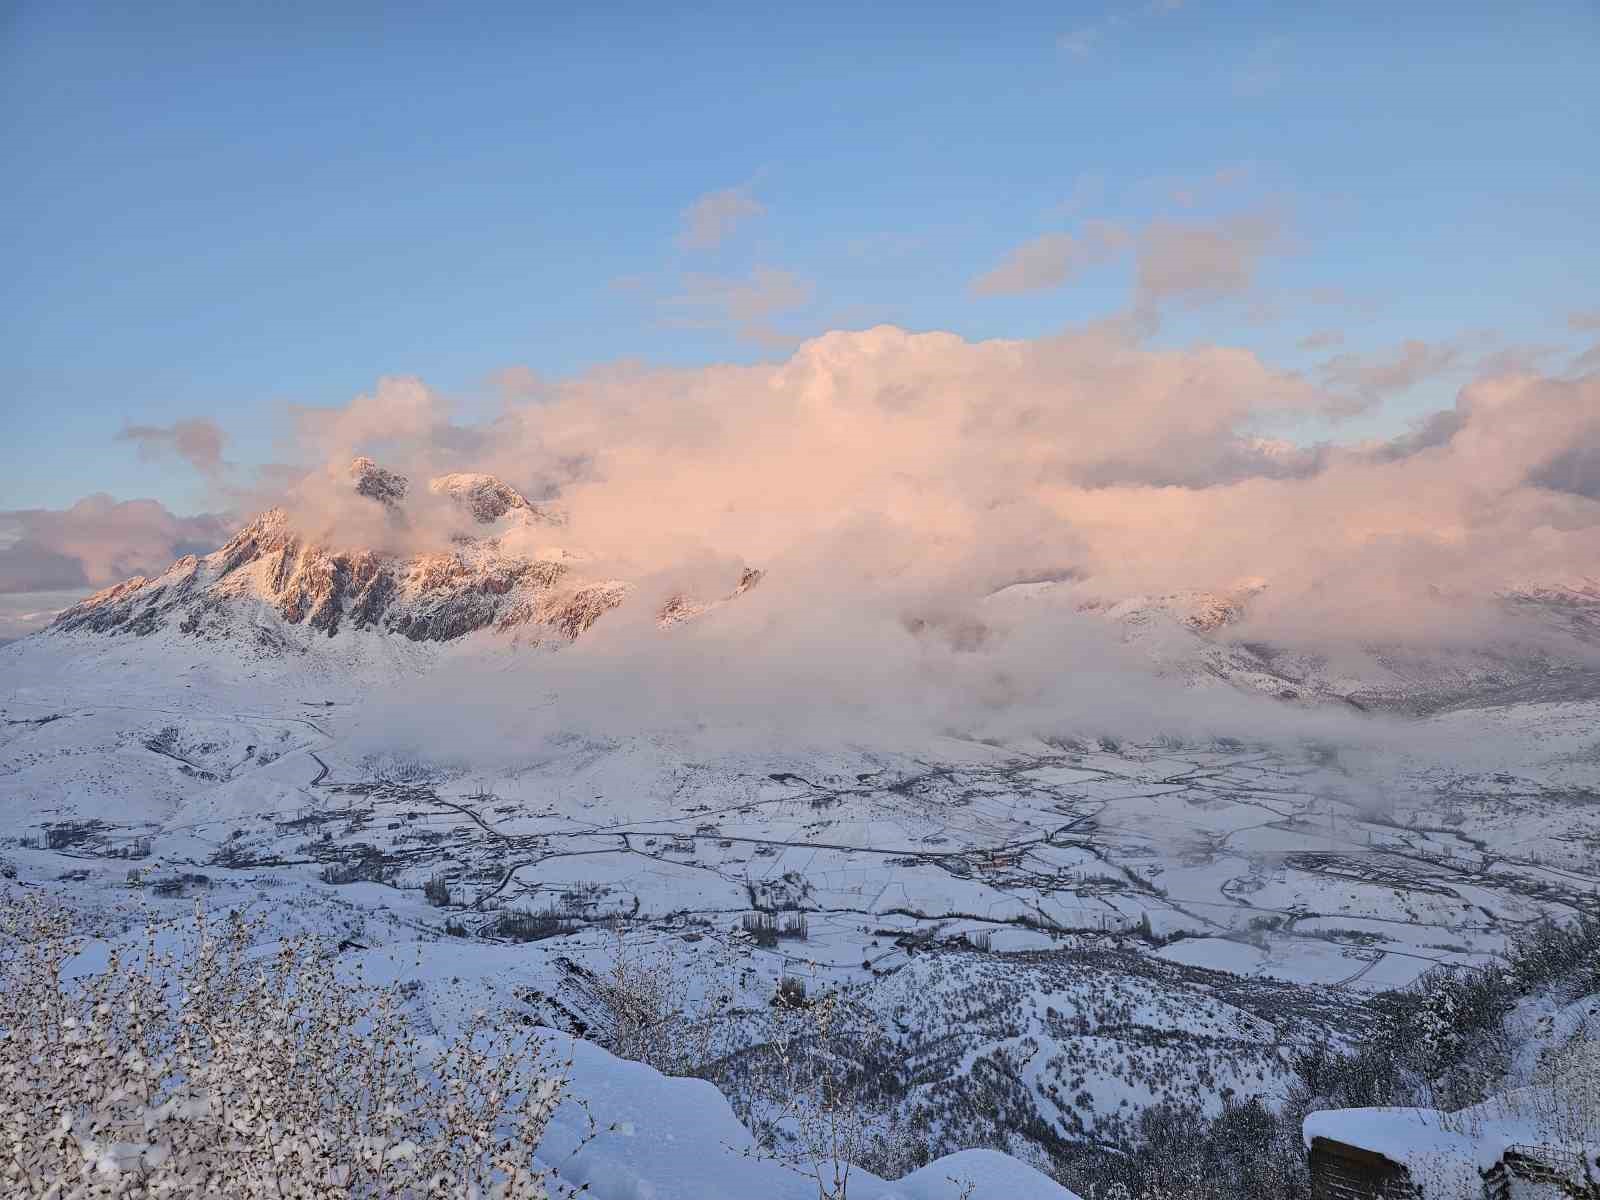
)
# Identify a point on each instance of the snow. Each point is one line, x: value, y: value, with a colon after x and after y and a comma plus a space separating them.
x: 1413, y: 1137
x: 1234, y: 901
x: 677, y: 1139
x: 990, y: 1173
x: 1447, y: 1150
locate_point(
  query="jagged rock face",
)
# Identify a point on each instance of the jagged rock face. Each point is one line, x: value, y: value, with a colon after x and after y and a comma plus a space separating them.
x: 487, y: 498
x: 680, y: 608
x: 429, y: 597
x: 268, y: 567
x: 268, y: 572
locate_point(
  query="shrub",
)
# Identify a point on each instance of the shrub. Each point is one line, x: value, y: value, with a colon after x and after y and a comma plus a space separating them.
x: 212, y: 1071
x: 791, y: 992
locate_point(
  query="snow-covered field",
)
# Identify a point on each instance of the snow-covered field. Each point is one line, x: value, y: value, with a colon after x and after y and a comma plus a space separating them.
x: 1066, y: 931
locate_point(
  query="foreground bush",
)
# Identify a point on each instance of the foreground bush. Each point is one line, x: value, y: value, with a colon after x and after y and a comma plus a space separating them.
x: 208, y: 1072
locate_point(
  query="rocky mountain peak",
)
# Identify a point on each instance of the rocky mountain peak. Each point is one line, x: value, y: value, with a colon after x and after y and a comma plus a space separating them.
x: 680, y: 608
x: 387, y: 487
x: 276, y: 587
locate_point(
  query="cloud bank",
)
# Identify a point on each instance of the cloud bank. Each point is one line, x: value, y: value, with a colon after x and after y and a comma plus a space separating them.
x: 890, y: 482
x: 932, y: 469
x: 48, y: 558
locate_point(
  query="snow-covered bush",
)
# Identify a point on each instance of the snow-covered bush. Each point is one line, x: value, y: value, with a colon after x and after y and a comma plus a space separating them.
x: 1565, y: 1098
x: 210, y: 1069
x: 805, y: 1102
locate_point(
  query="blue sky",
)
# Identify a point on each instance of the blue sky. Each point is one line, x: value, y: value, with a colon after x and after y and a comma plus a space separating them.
x: 214, y: 211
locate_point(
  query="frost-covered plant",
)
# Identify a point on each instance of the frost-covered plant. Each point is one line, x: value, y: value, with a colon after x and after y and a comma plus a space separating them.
x: 651, y: 1009
x: 211, y: 1070
x: 1564, y: 1101
x: 805, y: 1110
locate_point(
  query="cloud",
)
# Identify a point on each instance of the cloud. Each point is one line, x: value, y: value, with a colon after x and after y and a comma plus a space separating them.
x: 400, y: 410
x: 889, y: 482
x: 714, y: 217
x: 924, y: 465
x: 516, y: 381
x: 1525, y: 358
x: 97, y: 542
x: 1585, y: 322
x: 1081, y: 42
x: 1372, y: 377
x: 22, y: 613
x: 747, y: 306
x: 198, y: 442
x: 1426, y: 433
x: 1050, y: 260
x: 1188, y: 262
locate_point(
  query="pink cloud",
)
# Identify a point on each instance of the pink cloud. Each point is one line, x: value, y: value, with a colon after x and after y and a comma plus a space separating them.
x: 1186, y: 262
x: 1371, y: 377
x: 1050, y: 260
x: 198, y: 442
x: 748, y: 306
x: 98, y: 541
x: 901, y: 473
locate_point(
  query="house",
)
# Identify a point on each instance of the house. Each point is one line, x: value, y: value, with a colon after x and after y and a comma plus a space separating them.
x: 1527, y: 1172
x: 1502, y: 1149
x: 1341, y: 1171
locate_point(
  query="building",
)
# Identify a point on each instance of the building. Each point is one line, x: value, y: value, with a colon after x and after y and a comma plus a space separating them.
x: 1341, y: 1171
x: 1499, y: 1150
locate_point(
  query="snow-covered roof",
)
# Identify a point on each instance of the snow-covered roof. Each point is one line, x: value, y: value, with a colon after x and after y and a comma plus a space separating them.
x: 1447, y: 1150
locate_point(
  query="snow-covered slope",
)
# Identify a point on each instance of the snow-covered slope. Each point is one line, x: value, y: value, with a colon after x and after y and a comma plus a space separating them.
x: 1541, y: 642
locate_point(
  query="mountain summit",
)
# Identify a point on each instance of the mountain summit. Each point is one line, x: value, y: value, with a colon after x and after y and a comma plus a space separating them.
x: 271, y: 578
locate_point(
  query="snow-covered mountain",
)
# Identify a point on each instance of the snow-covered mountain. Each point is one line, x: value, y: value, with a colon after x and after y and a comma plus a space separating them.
x: 269, y: 570
x: 274, y: 587
x: 271, y: 580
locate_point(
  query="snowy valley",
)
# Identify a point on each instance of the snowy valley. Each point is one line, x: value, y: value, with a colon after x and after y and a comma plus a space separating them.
x: 1027, y: 941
